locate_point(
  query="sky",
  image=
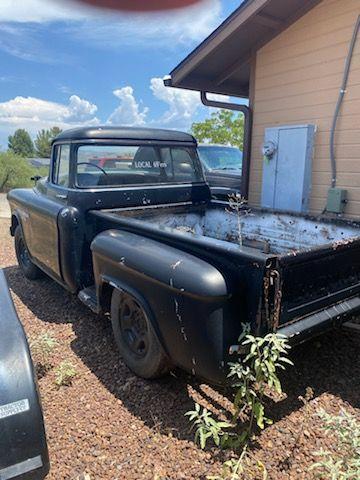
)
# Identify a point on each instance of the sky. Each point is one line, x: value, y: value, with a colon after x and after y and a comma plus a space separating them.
x: 66, y: 65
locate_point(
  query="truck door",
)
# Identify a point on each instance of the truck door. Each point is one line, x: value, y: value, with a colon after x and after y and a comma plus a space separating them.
x: 44, y: 218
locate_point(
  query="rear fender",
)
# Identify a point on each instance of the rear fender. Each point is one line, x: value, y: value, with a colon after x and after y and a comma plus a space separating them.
x: 184, y: 296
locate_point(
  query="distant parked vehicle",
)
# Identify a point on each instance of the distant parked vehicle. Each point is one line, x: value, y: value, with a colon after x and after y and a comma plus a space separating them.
x: 108, y: 163
x: 39, y: 162
x: 223, y: 168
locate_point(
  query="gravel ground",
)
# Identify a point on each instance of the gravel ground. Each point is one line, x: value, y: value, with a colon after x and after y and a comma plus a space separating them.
x: 110, y: 425
x: 4, y: 206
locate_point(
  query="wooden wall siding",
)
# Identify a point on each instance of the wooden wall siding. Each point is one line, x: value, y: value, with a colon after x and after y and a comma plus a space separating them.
x: 297, y: 81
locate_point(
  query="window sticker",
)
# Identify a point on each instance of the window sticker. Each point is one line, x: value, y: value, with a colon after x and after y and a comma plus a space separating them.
x: 156, y: 164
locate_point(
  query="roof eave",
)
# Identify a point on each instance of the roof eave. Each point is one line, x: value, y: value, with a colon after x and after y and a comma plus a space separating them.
x: 252, y: 19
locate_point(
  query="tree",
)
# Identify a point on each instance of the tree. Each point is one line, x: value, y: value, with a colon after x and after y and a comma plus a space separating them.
x: 21, y: 143
x: 15, y: 171
x: 223, y: 127
x: 43, y: 141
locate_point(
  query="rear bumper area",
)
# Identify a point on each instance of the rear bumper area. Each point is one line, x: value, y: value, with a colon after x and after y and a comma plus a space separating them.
x: 301, y: 330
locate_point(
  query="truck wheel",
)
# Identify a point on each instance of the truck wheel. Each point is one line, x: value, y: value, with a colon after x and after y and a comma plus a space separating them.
x: 31, y: 271
x: 135, y: 337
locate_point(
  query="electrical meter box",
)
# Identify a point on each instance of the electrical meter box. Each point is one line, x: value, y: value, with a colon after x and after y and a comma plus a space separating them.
x: 287, y: 167
x: 337, y: 200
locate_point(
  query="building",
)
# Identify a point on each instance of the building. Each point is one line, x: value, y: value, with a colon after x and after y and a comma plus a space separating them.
x: 288, y: 57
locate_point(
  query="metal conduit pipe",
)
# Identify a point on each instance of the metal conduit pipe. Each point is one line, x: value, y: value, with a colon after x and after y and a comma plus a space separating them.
x: 247, y: 136
x: 340, y: 101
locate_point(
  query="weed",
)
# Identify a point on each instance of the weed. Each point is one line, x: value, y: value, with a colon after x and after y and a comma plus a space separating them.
x: 253, y: 378
x: 256, y: 376
x: 64, y: 374
x: 241, y: 468
x: 236, y: 206
x: 206, y: 426
x: 344, y: 463
x: 42, y: 348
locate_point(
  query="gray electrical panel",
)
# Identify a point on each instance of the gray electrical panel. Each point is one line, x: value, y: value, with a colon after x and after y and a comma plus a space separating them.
x: 287, y: 167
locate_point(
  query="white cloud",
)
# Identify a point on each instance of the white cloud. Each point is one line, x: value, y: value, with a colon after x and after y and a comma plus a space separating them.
x: 110, y: 29
x: 148, y: 30
x: 183, y: 105
x: 39, y: 11
x: 128, y: 112
x: 79, y: 110
x: 34, y: 113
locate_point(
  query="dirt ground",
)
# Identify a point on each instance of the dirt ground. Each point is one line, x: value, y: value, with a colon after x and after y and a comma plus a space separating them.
x: 110, y: 425
x: 4, y: 206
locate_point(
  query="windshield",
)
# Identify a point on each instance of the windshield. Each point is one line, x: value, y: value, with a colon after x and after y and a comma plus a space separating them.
x: 221, y: 158
x: 117, y: 165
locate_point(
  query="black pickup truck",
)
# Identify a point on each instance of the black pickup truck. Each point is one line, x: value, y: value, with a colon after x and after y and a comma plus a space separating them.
x: 141, y: 239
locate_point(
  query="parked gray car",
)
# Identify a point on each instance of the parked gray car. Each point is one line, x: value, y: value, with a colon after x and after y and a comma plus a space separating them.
x: 223, y: 168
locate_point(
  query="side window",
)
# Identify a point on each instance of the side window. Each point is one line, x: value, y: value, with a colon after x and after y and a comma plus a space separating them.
x: 61, y: 166
x: 183, y: 165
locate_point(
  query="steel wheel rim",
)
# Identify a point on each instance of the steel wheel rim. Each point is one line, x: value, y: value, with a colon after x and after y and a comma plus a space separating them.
x: 134, y: 326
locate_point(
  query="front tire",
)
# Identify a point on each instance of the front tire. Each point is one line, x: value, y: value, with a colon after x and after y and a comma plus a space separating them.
x: 135, y: 337
x: 31, y: 271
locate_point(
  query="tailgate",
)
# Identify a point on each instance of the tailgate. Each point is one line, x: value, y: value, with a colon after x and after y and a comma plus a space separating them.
x: 316, y: 280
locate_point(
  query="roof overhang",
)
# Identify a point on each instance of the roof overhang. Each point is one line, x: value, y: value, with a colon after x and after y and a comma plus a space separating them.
x: 222, y: 63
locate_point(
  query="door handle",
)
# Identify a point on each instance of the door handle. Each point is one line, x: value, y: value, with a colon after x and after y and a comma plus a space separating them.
x: 61, y: 196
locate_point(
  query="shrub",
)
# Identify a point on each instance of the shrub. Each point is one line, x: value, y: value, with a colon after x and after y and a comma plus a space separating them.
x: 42, y: 348
x: 64, y: 374
x: 344, y: 464
x: 206, y: 426
x: 14, y: 171
x: 254, y: 377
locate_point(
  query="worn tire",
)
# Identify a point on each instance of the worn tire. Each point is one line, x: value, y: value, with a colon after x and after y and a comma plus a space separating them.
x: 127, y: 316
x: 31, y: 271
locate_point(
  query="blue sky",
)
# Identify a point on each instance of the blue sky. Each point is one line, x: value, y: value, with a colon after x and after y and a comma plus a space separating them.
x: 61, y: 64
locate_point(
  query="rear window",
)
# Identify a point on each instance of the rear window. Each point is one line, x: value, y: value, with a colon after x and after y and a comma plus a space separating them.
x: 117, y: 165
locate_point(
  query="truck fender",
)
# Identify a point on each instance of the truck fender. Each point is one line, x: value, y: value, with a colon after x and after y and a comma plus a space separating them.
x: 15, y: 221
x: 184, y: 296
x: 180, y: 270
x: 23, y: 447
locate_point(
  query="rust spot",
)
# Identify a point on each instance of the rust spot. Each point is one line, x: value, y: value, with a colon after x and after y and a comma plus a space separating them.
x: 325, y: 233
x: 342, y: 243
x: 266, y: 299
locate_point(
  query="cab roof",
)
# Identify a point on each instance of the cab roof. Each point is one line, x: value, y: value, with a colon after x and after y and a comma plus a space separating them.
x: 124, y: 133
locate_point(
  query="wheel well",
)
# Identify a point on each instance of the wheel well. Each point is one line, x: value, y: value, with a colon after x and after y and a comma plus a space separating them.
x: 14, y: 224
x: 105, y: 298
